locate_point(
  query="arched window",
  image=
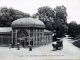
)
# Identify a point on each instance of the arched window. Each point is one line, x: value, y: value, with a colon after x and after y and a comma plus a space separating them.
x: 22, y: 36
x: 22, y: 33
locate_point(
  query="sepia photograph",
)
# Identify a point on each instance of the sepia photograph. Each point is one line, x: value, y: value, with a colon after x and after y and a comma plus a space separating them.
x: 39, y: 29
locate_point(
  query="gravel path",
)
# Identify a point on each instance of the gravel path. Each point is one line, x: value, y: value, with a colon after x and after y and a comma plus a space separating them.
x: 69, y: 51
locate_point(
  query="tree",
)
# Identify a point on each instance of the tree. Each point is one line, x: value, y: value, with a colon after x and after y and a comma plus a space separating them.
x: 61, y: 15
x: 46, y: 15
x: 73, y: 28
x: 60, y: 20
x: 53, y: 18
x: 8, y: 15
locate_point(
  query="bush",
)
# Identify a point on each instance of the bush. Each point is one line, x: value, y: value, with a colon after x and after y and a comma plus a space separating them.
x: 77, y: 37
x: 77, y: 43
x: 73, y: 29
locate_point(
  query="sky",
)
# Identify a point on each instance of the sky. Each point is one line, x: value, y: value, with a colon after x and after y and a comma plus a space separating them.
x: 31, y: 6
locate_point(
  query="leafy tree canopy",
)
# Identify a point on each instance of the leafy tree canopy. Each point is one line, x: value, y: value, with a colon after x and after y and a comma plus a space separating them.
x: 8, y: 15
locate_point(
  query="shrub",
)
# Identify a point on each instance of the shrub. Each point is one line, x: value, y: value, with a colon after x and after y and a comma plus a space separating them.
x: 77, y: 37
x: 77, y: 43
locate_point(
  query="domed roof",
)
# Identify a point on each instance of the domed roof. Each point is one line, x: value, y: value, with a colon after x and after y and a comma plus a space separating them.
x: 28, y: 22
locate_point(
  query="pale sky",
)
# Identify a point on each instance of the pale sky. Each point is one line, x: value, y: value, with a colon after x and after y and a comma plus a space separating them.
x: 31, y: 6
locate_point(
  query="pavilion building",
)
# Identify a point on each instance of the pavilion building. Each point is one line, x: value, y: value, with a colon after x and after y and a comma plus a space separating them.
x: 26, y: 31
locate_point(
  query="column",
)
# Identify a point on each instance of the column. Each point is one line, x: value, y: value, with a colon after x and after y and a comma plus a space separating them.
x: 12, y: 36
x: 50, y: 38
x: 16, y: 37
x: 36, y: 36
x: 42, y: 36
x: 39, y: 36
x: 46, y: 39
x: 7, y: 39
x: 29, y: 36
x: 33, y: 37
x: 2, y: 39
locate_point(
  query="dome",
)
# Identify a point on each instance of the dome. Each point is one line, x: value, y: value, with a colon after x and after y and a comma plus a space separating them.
x: 28, y: 22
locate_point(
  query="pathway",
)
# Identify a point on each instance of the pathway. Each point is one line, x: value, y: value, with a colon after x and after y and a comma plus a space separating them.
x: 69, y: 51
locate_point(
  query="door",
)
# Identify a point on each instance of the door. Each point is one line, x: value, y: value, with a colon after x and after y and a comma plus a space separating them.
x: 22, y: 37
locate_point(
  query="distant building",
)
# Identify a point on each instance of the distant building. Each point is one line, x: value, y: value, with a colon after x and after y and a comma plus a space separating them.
x: 5, y: 36
x: 26, y: 31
